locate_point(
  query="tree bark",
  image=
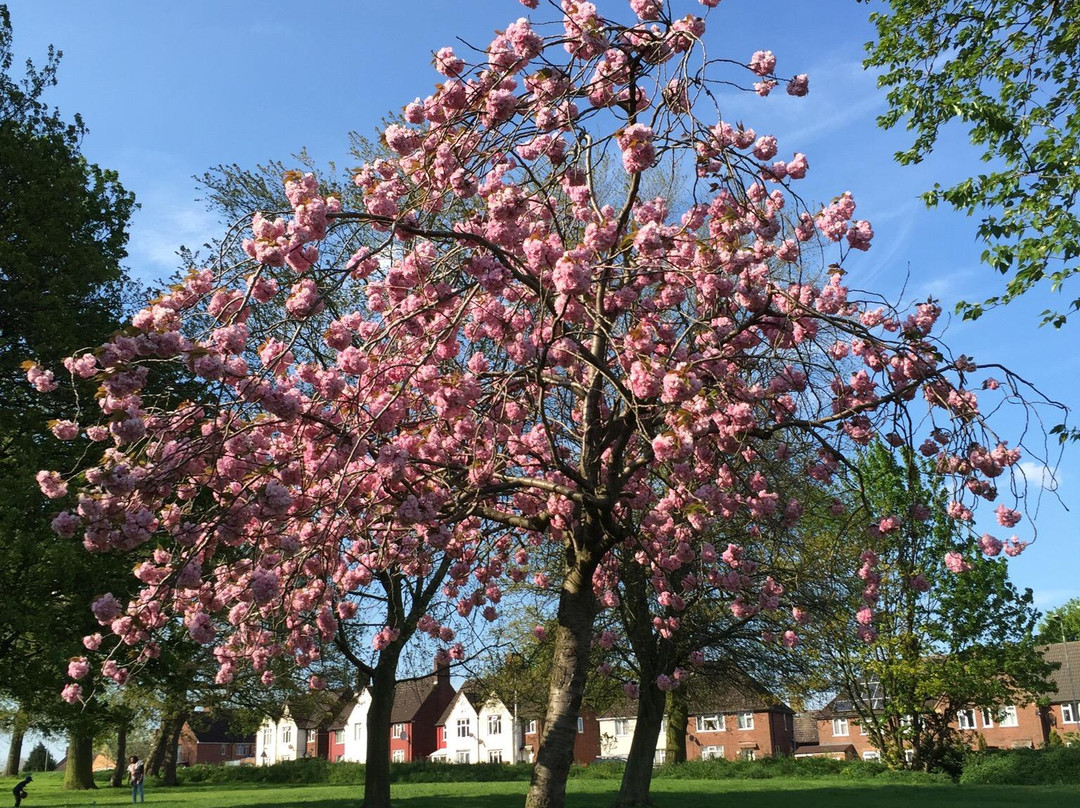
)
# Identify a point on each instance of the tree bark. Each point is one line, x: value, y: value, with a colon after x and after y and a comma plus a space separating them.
x: 377, y: 763
x: 637, y: 776
x: 157, y: 750
x: 117, y: 779
x: 678, y: 716
x: 79, y: 768
x: 18, y: 733
x: 172, y: 756
x: 573, y: 639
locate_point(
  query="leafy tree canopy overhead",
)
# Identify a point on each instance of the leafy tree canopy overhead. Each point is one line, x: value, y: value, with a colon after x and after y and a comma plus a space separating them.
x: 1061, y: 624
x: 1010, y: 71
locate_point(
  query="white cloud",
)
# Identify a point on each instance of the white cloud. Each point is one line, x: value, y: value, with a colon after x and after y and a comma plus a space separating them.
x: 1041, y: 476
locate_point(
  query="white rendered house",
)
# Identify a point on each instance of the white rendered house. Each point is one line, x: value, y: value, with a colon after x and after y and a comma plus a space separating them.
x: 477, y: 729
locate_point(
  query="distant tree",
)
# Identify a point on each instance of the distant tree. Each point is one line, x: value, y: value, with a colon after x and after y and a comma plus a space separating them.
x: 1009, y: 72
x: 40, y: 760
x: 1061, y: 624
x: 64, y: 224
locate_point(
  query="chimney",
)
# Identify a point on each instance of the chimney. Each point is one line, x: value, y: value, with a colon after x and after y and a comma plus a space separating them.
x: 442, y: 673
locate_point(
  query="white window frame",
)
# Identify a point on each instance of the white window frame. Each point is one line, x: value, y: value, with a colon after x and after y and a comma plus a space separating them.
x: 357, y: 730
x: 530, y: 727
x: 871, y: 754
x: 495, y: 726
x: 987, y: 716
x: 840, y: 728
x: 747, y: 754
x: 909, y: 755
x: 339, y: 736
x: 745, y: 720
x: 464, y: 728
x: 397, y: 731
x: 1069, y: 713
x: 862, y: 728
x: 712, y: 752
x: 495, y: 756
x: 702, y: 723
x: 580, y: 724
x: 622, y: 727
x: 286, y: 735
x: 1008, y: 716
x: 462, y: 756
x: 397, y: 756
x: 965, y: 719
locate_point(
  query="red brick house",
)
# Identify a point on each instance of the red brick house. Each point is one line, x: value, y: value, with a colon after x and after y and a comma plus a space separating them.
x: 214, y: 739
x: 417, y: 707
x: 733, y: 716
x: 586, y: 744
x: 1063, y: 713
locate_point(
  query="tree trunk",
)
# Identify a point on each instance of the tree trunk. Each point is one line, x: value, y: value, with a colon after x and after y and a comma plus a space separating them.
x: 157, y: 750
x: 570, y: 666
x: 377, y: 763
x: 18, y: 732
x: 117, y: 778
x: 79, y: 768
x: 678, y: 717
x: 637, y: 776
x: 172, y: 756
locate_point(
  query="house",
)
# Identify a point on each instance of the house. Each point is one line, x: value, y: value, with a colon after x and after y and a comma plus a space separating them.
x: 213, y: 739
x: 1009, y: 726
x: 418, y: 704
x: 806, y: 731
x: 1063, y: 714
x: 617, y: 725
x: 836, y: 751
x: 586, y: 745
x: 734, y: 716
x: 303, y: 728
x: 477, y: 727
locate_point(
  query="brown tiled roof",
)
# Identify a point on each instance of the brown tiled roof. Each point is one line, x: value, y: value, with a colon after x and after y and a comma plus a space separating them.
x: 730, y: 691
x: 1066, y: 678
x: 216, y: 728
x: 471, y: 690
x: 825, y: 749
x: 320, y: 711
x: 409, y: 697
x: 806, y: 728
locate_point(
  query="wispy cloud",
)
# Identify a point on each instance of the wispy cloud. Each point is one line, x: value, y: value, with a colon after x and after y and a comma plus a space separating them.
x: 160, y: 228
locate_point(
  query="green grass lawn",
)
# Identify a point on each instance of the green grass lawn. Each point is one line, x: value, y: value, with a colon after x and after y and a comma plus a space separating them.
x: 46, y: 792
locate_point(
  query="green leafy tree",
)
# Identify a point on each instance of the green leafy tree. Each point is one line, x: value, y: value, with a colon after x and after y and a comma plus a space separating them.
x: 917, y: 641
x: 64, y: 224
x: 1008, y: 70
x: 1061, y: 624
x: 40, y: 760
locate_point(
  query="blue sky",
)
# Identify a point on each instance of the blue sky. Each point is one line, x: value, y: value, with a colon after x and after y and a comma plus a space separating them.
x: 170, y: 90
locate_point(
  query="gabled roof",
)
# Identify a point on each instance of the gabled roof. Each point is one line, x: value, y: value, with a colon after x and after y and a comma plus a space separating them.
x: 729, y: 690
x: 216, y: 728
x: 321, y: 711
x: 409, y: 697
x: 806, y: 728
x: 1066, y: 679
x: 471, y: 690
x: 842, y: 704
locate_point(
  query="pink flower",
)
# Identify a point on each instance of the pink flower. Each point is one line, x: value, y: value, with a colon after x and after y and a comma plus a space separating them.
x: 540, y: 633
x: 106, y: 608
x: 384, y: 637
x: 65, y: 430
x: 71, y: 693
x: 43, y: 380
x: 765, y: 147
x: 200, y: 627
x: 801, y: 615
x: 1007, y: 517
x: 51, y: 484
x: 989, y: 545
x: 665, y: 683
x: 636, y: 143
x: 799, y: 85
x: 316, y: 682
x: 631, y: 690
x: 697, y: 658
x: 763, y: 62
x: 790, y: 639
x: 865, y: 616
x: 92, y: 641
x: 1014, y: 547
x: 956, y: 563
x: 78, y: 667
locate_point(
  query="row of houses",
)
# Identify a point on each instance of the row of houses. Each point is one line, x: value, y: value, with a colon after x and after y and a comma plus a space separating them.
x: 731, y: 717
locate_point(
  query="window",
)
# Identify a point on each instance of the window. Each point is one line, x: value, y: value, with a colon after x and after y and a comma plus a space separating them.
x: 966, y: 719
x: 339, y: 736
x: 495, y: 756
x: 462, y: 756
x: 712, y: 752
x: 746, y: 721
x: 709, y: 723
x: 268, y: 737
x: 530, y: 728
x: 987, y: 717
x: 907, y: 721
x: 839, y: 727
x: 622, y: 727
x: 909, y: 756
x: 463, y: 729
x: 1069, y: 712
x: 286, y: 735
x: 397, y: 731
x: 871, y: 754
x: 862, y: 728
x: 495, y: 728
x: 398, y: 756
x: 1007, y: 716
x: 580, y: 724
x: 746, y: 754
x: 242, y: 749
x: 356, y: 731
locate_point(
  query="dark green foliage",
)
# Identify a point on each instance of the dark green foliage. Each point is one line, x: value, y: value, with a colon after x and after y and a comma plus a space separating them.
x: 1057, y: 765
x: 1061, y: 624
x: 39, y: 760
x: 1009, y: 71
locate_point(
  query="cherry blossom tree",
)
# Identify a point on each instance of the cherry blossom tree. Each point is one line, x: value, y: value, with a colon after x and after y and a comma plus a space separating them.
x: 528, y: 360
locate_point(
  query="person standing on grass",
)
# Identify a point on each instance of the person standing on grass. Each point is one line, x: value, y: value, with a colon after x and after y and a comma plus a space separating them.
x: 20, y: 790
x: 135, y: 776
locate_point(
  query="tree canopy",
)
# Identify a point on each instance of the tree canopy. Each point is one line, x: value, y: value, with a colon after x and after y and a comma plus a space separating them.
x: 1008, y: 71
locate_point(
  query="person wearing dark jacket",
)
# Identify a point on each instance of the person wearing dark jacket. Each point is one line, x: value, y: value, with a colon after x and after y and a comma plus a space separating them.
x: 20, y: 790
